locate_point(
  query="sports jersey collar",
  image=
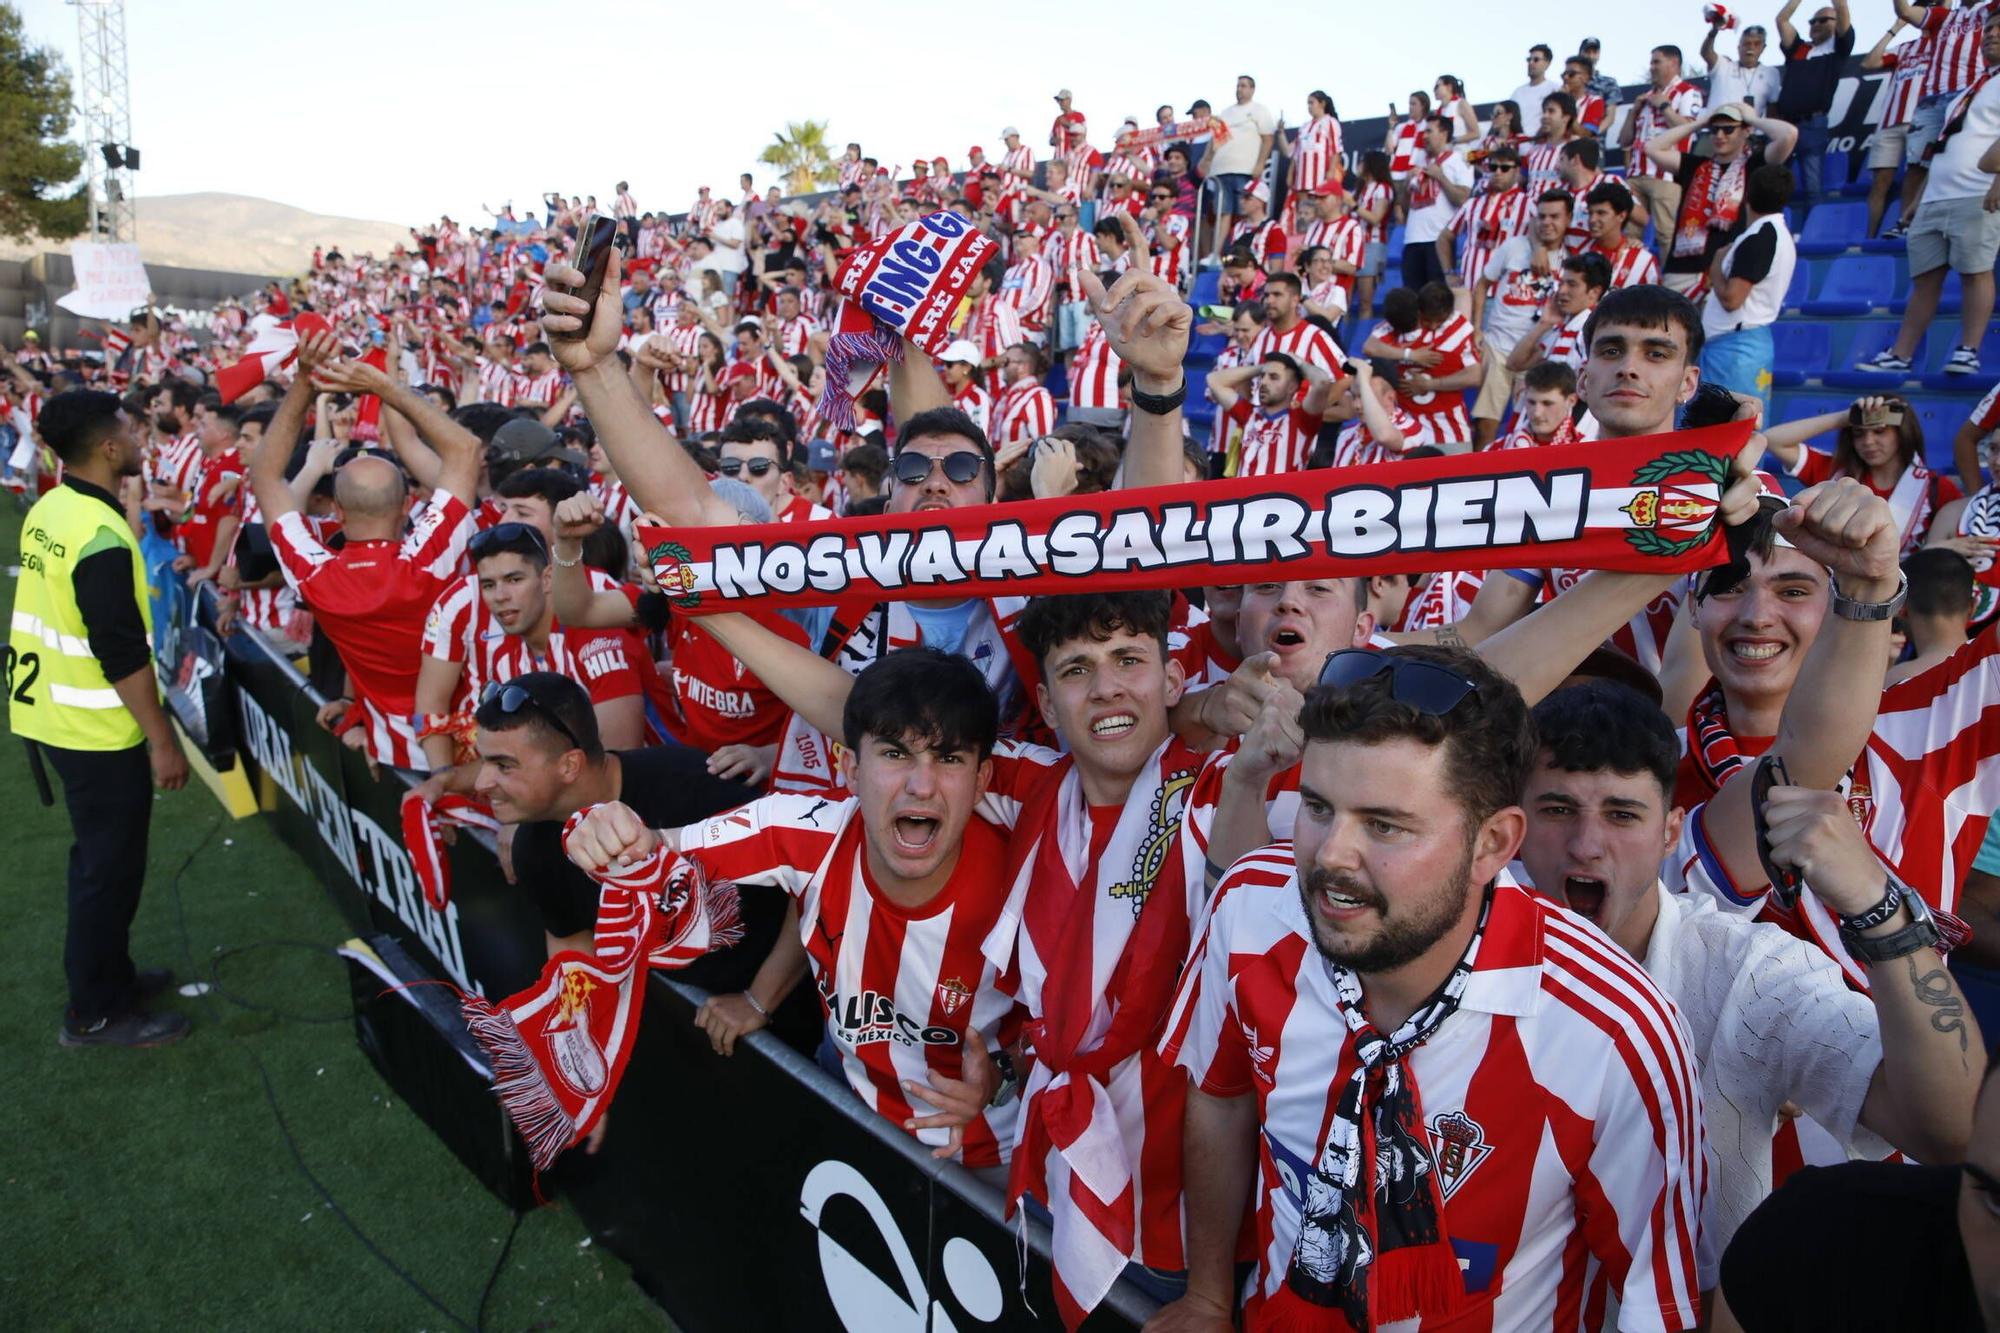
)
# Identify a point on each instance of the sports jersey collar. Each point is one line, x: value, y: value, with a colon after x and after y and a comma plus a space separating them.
x: 1662, y: 960
x: 1507, y: 976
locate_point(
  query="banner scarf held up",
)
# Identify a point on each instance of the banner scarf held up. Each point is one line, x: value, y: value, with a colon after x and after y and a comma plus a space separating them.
x: 906, y: 284
x: 559, y: 1047
x: 1646, y: 504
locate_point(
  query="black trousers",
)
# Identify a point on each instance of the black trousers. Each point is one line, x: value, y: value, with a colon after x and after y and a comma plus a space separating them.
x: 1422, y: 264
x: 110, y: 798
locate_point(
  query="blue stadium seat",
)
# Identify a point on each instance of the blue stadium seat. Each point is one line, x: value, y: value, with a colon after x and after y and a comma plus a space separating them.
x: 1869, y: 337
x: 1801, y: 349
x: 1833, y: 227
x: 1941, y: 415
x: 1207, y: 282
x: 1938, y: 343
x: 1950, y: 301
x: 1801, y: 287
x: 1855, y: 285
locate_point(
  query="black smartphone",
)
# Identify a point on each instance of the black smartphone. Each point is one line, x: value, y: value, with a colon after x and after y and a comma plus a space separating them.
x: 1785, y: 883
x: 593, y: 256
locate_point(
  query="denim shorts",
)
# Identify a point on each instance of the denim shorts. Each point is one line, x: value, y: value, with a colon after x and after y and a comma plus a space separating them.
x: 1228, y: 189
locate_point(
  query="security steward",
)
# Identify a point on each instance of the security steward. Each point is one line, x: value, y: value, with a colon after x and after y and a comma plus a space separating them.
x: 83, y: 696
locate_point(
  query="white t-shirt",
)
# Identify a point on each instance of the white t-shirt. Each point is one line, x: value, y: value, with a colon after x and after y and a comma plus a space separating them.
x: 1772, y: 1020
x: 1428, y: 223
x: 1247, y: 122
x: 1955, y: 172
x: 1518, y: 293
x: 1767, y: 296
x: 1529, y: 97
x: 1729, y: 81
x: 729, y: 258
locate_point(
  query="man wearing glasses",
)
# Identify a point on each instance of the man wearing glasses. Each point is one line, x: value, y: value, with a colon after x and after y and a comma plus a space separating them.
x: 754, y: 450
x: 1810, y: 71
x: 1711, y: 188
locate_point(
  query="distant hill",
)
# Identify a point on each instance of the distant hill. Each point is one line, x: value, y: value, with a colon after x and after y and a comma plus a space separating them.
x: 237, y: 233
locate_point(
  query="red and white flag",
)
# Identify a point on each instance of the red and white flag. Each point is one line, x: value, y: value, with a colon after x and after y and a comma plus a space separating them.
x: 273, y: 346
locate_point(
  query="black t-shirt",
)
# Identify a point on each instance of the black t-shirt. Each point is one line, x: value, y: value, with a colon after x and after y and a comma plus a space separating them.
x: 1863, y: 1245
x: 1806, y: 81
x: 667, y: 786
x: 1753, y: 259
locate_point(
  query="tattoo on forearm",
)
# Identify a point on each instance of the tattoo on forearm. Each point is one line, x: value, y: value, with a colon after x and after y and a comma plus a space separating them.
x: 1934, y: 988
x: 1449, y: 636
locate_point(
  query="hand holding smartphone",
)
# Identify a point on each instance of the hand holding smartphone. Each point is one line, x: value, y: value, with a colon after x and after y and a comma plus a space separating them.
x: 593, y: 257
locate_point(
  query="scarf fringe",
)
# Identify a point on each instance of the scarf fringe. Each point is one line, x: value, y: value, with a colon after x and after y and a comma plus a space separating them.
x: 520, y: 1083
x: 1416, y: 1281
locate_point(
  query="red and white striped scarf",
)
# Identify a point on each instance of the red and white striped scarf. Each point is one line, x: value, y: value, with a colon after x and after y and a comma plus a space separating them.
x: 559, y: 1047
x: 1103, y: 943
x: 424, y: 823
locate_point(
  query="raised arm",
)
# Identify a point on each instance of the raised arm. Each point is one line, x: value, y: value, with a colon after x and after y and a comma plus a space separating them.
x: 1788, y: 439
x: 655, y: 469
x: 576, y: 603
x: 267, y: 464
x: 457, y: 448
x: 810, y: 686
x: 1787, y: 34
x: 1227, y: 386
x: 1781, y: 136
x: 418, y: 457
x: 1664, y: 149
x: 1147, y: 324
x: 1381, y: 422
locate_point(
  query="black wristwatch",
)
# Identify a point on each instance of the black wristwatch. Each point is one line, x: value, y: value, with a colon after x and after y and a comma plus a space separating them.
x: 1010, y: 1079
x: 1159, y: 404
x: 1921, y: 933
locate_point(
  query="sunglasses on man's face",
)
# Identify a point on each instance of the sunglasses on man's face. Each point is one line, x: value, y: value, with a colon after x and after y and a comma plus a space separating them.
x: 733, y: 467
x: 914, y: 469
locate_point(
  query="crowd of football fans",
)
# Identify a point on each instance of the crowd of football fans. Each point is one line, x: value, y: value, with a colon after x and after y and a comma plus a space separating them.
x: 437, y: 504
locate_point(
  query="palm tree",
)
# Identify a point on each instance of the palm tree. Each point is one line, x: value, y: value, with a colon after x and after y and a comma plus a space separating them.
x: 800, y: 151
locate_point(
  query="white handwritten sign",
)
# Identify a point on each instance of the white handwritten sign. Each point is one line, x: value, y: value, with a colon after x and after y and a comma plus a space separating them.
x: 110, y: 282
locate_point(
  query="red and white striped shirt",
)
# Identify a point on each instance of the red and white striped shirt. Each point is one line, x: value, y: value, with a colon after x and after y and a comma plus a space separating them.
x: 1442, y: 418
x: 1371, y: 194
x: 1302, y: 342
x: 1027, y: 287
x: 1685, y: 100
x: 1632, y: 265
x: 900, y: 986
x: 1274, y: 442
x: 372, y: 598
x: 685, y: 340
x: 1357, y: 444
x: 174, y: 463
x: 1578, y: 234
x: 1445, y: 599
x: 1923, y: 791
x: 1069, y: 255
x: 708, y: 411
x: 1406, y: 146
x: 992, y: 326
x: 543, y: 389
x: 1023, y: 411
x: 1593, y: 115
x: 850, y: 171
x: 1561, y: 1099
x: 1346, y: 238
x: 498, y: 383
x: 1316, y: 158
x: 1564, y: 342
x: 598, y: 660
x: 1487, y: 222
x: 1908, y: 63
x: 795, y: 335
x: 460, y: 627
x: 1093, y: 371
x: 1952, y: 58
x: 1169, y: 238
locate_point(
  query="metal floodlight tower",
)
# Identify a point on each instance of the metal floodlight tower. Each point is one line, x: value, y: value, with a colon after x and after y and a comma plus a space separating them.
x: 104, y: 113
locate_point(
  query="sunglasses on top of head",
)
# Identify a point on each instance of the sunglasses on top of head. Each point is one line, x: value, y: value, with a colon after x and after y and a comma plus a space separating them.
x: 732, y: 467
x: 513, y: 698
x: 503, y: 536
x: 960, y: 466
x: 1424, y: 686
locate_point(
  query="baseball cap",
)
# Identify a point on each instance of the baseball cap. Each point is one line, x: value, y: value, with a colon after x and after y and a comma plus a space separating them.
x: 1200, y: 104
x: 822, y: 457
x: 1257, y: 190
x: 1064, y: 94
x: 1727, y: 111
x: 739, y: 370
x: 975, y: 151
x: 750, y: 325
x: 1009, y: 132
x: 525, y: 440
x: 961, y: 349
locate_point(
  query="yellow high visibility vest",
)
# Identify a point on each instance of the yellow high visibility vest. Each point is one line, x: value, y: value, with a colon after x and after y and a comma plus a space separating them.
x: 58, y: 693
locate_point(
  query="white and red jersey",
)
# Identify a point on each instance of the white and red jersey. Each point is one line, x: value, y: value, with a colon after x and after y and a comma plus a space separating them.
x: 1445, y: 599
x: 1521, y: 438
x: 1024, y: 411
x: 708, y: 411
x: 850, y: 171
x: 543, y: 389
x: 372, y: 598
x: 598, y: 660
x: 1274, y: 442
x: 1371, y: 194
x: 172, y: 464
x: 625, y: 206
x: 798, y: 509
x: 1561, y: 1101
x: 1264, y: 240
x: 1578, y: 235
x: 975, y: 402
x: 1564, y: 342
x: 1593, y: 115
x: 685, y: 340
x: 900, y: 986
x: 1346, y: 239
x: 621, y: 511
x: 498, y: 383
x: 459, y: 627
x: 992, y: 326
x: 1685, y: 100
x: 1168, y: 238
x: 1642, y: 638
x: 1357, y: 444
x: 1093, y: 371
x: 795, y: 335
x: 1953, y: 58
x: 1442, y: 418
x: 1406, y: 148
x: 1541, y: 165
x: 1907, y: 65
x: 1632, y: 265
x: 1923, y: 792
x: 1303, y: 342
x: 1316, y: 158
x: 1070, y: 254
x: 1324, y: 296
x: 1027, y: 287
x: 1487, y: 222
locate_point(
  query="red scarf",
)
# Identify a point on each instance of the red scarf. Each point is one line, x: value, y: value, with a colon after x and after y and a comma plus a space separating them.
x: 424, y: 823
x: 1710, y: 201
x: 1714, y: 752
x: 559, y: 1047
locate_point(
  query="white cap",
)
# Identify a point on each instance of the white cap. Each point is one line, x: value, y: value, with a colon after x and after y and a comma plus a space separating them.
x: 1009, y: 132
x: 961, y: 350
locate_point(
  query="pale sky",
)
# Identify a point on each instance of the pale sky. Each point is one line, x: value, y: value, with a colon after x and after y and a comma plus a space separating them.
x: 401, y: 111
